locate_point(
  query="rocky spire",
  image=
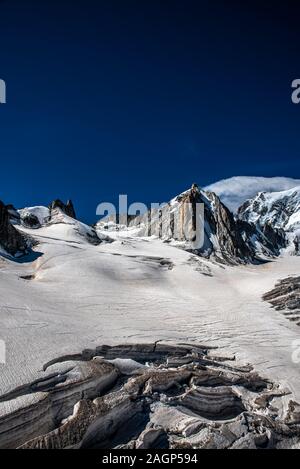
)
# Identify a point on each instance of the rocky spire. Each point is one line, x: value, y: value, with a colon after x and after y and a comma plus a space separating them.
x: 67, y: 208
x: 10, y: 238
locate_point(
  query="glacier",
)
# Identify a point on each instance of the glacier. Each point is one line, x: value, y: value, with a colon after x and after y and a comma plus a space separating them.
x: 87, y: 287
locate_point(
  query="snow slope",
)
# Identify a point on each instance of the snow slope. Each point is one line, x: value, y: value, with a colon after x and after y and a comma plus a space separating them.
x: 234, y: 191
x: 75, y: 295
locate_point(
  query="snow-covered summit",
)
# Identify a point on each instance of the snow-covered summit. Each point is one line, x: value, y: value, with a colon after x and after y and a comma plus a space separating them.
x: 234, y: 191
x: 280, y: 209
x: 33, y: 223
x: 34, y: 217
x: 54, y: 221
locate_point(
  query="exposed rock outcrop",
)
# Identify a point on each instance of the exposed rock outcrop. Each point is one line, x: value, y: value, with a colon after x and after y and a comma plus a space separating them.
x: 11, y: 239
x: 31, y: 221
x: 61, y: 213
x: 31, y: 217
x: 285, y: 297
x: 262, y: 240
x: 67, y: 208
x: 231, y: 240
x: 148, y: 396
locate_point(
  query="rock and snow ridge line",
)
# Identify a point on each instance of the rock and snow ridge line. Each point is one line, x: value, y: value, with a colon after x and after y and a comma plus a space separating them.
x: 20, y: 229
x: 226, y: 239
x: 35, y: 218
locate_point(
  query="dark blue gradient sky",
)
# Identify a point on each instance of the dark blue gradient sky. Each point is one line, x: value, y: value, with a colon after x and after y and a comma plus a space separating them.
x: 144, y: 98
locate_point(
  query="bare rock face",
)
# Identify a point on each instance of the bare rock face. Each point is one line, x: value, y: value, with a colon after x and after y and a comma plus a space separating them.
x: 224, y: 227
x: 231, y: 240
x: 226, y: 239
x: 148, y: 396
x: 61, y: 213
x: 285, y: 297
x: 31, y: 221
x: 67, y: 208
x: 10, y: 238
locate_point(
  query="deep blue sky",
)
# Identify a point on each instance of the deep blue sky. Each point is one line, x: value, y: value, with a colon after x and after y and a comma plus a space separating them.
x: 144, y: 97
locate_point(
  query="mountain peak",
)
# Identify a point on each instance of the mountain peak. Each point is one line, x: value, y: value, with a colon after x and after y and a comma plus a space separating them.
x: 234, y: 191
x: 211, y: 231
x: 281, y: 210
x: 67, y: 208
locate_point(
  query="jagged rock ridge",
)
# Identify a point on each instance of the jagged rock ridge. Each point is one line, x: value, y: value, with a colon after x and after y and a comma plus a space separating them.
x: 225, y: 238
x: 285, y: 297
x: 11, y: 239
x: 58, y: 213
x: 67, y: 208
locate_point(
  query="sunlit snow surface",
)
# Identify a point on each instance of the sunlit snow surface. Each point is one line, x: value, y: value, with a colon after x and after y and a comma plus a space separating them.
x: 76, y: 295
